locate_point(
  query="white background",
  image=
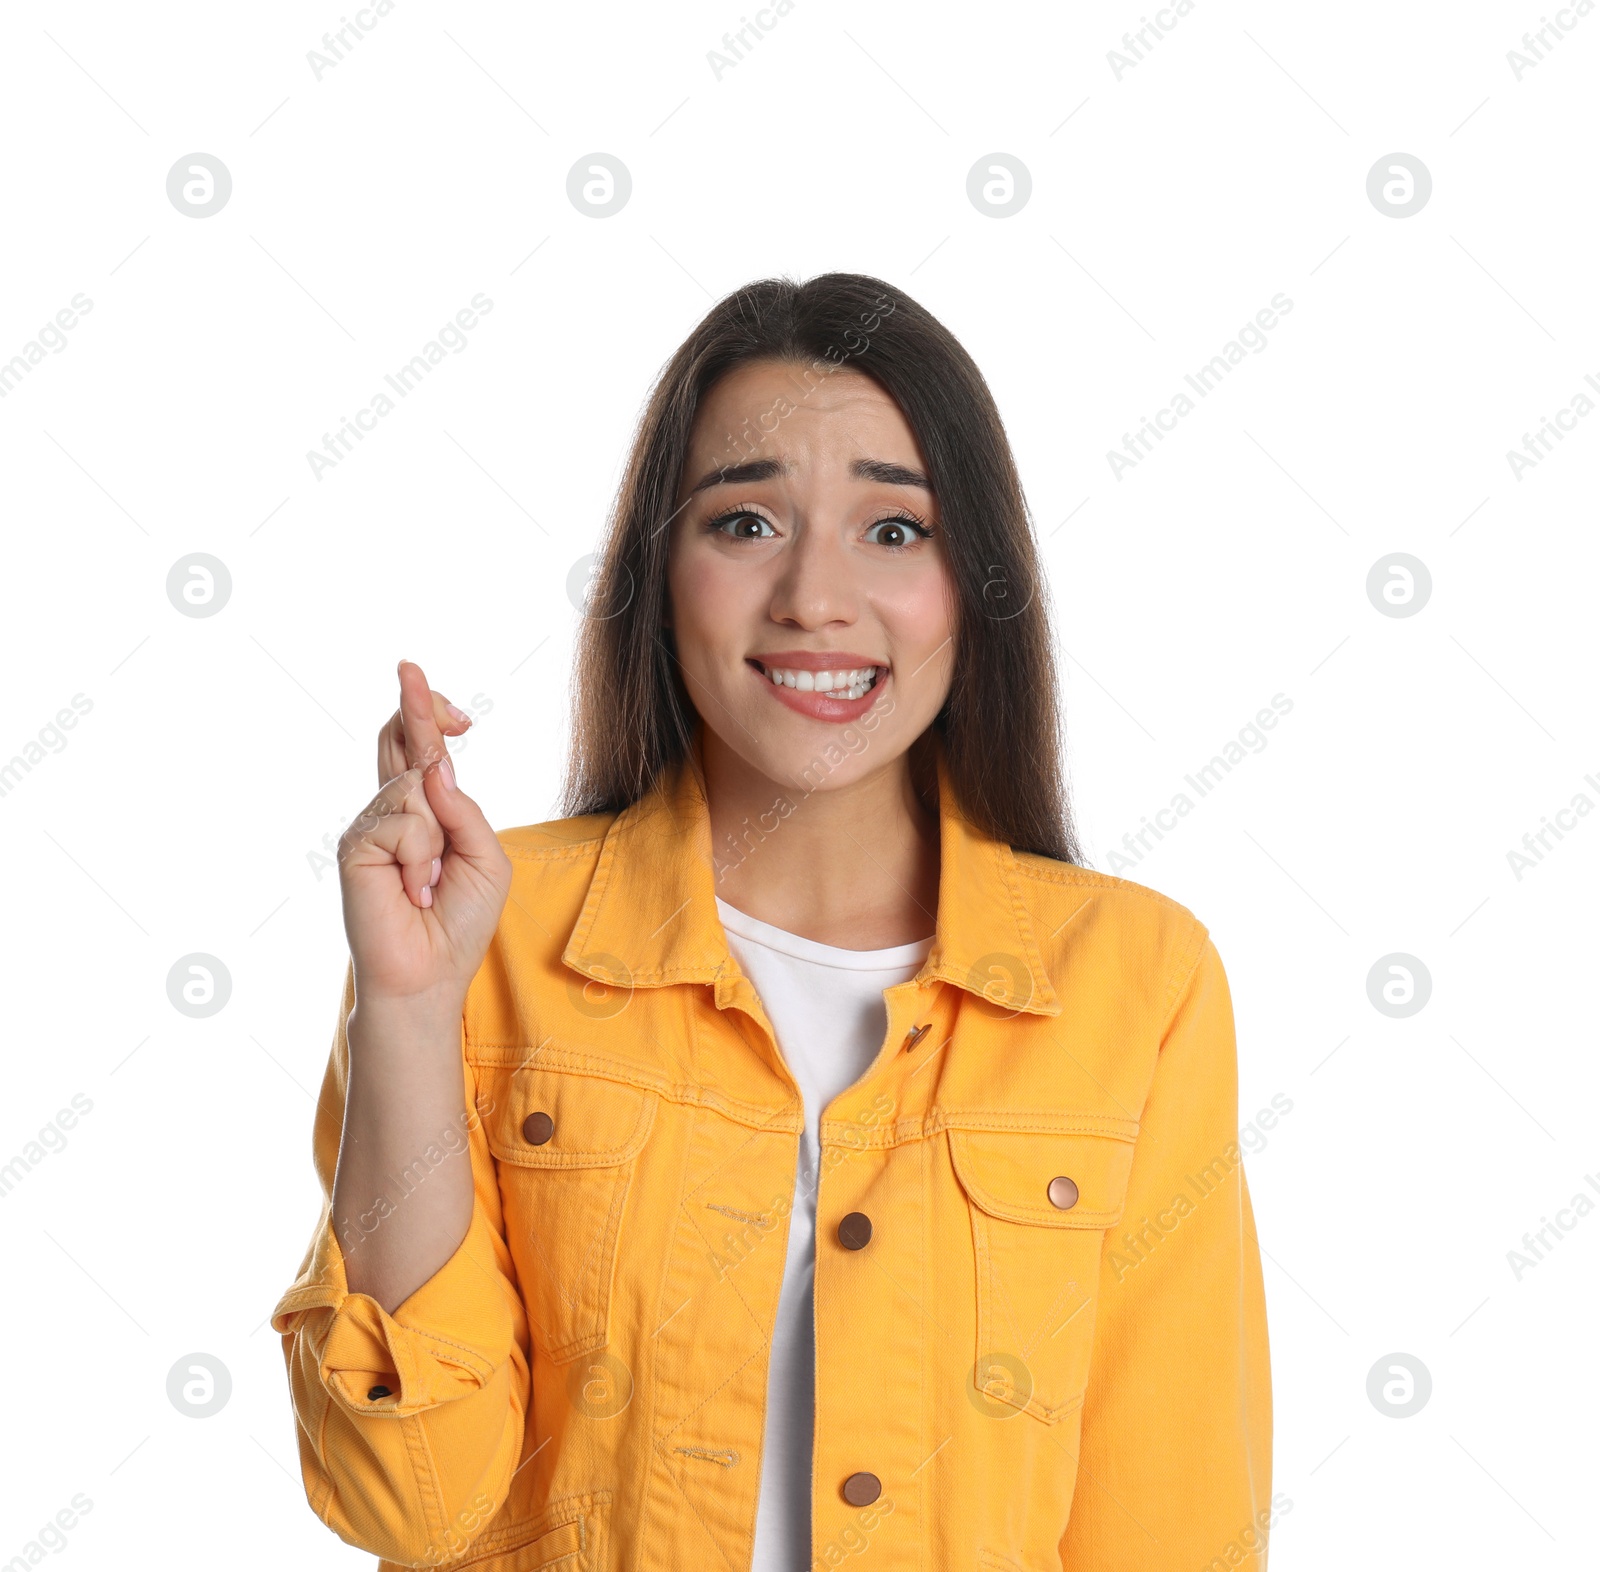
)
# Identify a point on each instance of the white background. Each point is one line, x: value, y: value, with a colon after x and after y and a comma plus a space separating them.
x: 1167, y: 208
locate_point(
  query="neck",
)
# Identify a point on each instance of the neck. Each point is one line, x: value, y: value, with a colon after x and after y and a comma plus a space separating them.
x: 855, y: 866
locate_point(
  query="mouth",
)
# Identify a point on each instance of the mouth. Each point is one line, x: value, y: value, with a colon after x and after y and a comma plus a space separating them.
x: 837, y: 695
x: 840, y: 684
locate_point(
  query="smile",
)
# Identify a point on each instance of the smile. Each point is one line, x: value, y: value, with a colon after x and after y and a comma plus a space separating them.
x: 841, y: 684
x: 838, y: 694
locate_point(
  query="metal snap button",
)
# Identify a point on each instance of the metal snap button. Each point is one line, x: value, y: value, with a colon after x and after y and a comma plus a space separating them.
x: 537, y: 1128
x: 855, y: 1229
x: 862, y: 1489
x: 1063, y: 1193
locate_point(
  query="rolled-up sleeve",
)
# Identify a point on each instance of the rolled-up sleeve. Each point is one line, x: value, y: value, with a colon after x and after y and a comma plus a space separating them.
x: 1175, y: 1467
x: 409, y: 1423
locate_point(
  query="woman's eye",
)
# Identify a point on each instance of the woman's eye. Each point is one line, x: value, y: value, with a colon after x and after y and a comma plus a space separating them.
x: 895, y: 534
x: 902, y: 532
x: 747, y: 526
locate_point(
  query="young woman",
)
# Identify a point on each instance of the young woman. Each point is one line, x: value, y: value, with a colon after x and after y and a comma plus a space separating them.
x: 794, y: 1152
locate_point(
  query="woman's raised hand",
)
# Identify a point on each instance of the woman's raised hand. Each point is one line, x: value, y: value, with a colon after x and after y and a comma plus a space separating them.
x: 422, y: 875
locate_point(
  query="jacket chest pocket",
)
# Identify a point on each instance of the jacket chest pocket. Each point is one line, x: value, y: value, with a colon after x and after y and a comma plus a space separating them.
x: 1040, y: 1204
x: 567, y: 1146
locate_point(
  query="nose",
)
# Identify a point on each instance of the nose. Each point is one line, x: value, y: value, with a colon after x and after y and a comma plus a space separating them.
x: 816, y: 580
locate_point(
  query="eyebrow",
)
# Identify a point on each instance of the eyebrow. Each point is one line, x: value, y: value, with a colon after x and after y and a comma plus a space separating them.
x: 880, y: 470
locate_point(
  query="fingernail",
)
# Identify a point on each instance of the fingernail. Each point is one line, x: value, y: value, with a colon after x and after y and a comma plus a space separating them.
x: 437, y: 866
x: 457, y: 714
x: 427, y: 895
x: 447, y: 773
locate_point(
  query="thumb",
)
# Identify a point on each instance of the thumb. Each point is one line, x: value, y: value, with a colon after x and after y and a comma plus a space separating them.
x: 459, y: 816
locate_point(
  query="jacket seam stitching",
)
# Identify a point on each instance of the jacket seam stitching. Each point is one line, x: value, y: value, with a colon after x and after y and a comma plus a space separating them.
x: 756, y: 1115
x: 621, y: 1188
x: 506, y: 1150
x: 599, y: 889
x: 1107, y: 1127
x: 755, y: 1352
x: 1091, y: 878
x: 568, y: 851
x: 922, y: 1349
x: 1183, y: 977
x: 549, y: 1519
x: 474, y: 1361
x: 647, y: 1496
x: 425, y: 1475
x: 322, y: 1501
x: 1019, y: 916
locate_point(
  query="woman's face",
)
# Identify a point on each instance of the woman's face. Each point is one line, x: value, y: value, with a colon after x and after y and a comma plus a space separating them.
x: 816, y: 555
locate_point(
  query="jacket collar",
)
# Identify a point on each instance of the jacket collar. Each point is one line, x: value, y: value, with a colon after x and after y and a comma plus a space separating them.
x: 650, y: 916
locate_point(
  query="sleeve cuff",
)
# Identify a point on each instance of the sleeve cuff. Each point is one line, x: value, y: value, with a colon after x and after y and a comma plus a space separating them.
x: 445, y: 1341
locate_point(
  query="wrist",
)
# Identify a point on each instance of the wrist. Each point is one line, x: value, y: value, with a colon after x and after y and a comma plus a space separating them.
x: 389, y: 1022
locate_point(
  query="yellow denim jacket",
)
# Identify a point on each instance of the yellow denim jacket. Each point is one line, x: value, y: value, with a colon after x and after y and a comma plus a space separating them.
x: 1051, y: 1353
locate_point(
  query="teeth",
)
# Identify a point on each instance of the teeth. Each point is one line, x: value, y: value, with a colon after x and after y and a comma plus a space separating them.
x: 835, y: 684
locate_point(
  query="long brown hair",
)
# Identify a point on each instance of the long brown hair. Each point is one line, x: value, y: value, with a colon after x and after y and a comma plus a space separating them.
x: 631, y: 715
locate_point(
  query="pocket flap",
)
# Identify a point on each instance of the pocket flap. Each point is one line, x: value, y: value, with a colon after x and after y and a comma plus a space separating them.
x: 1010, y: 1174
x: 557, y: 1119
x: 550, y: 1547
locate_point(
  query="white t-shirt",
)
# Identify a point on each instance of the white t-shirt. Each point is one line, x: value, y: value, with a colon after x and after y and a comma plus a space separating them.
x: 827, y: 1009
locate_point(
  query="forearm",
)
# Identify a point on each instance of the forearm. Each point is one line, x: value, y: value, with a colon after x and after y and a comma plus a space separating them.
x: 402, y: 1196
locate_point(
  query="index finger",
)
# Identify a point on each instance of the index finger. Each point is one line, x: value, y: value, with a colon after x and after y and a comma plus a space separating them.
x: 390, y: 800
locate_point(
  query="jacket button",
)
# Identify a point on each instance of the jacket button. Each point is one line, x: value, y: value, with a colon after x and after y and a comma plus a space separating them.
x: 916, y: 1036
x: 376, y: 1392
x: 1063, y: 1193
x: 855, y: 1229
x: 862, y: 1489
x: 537, y: 1128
